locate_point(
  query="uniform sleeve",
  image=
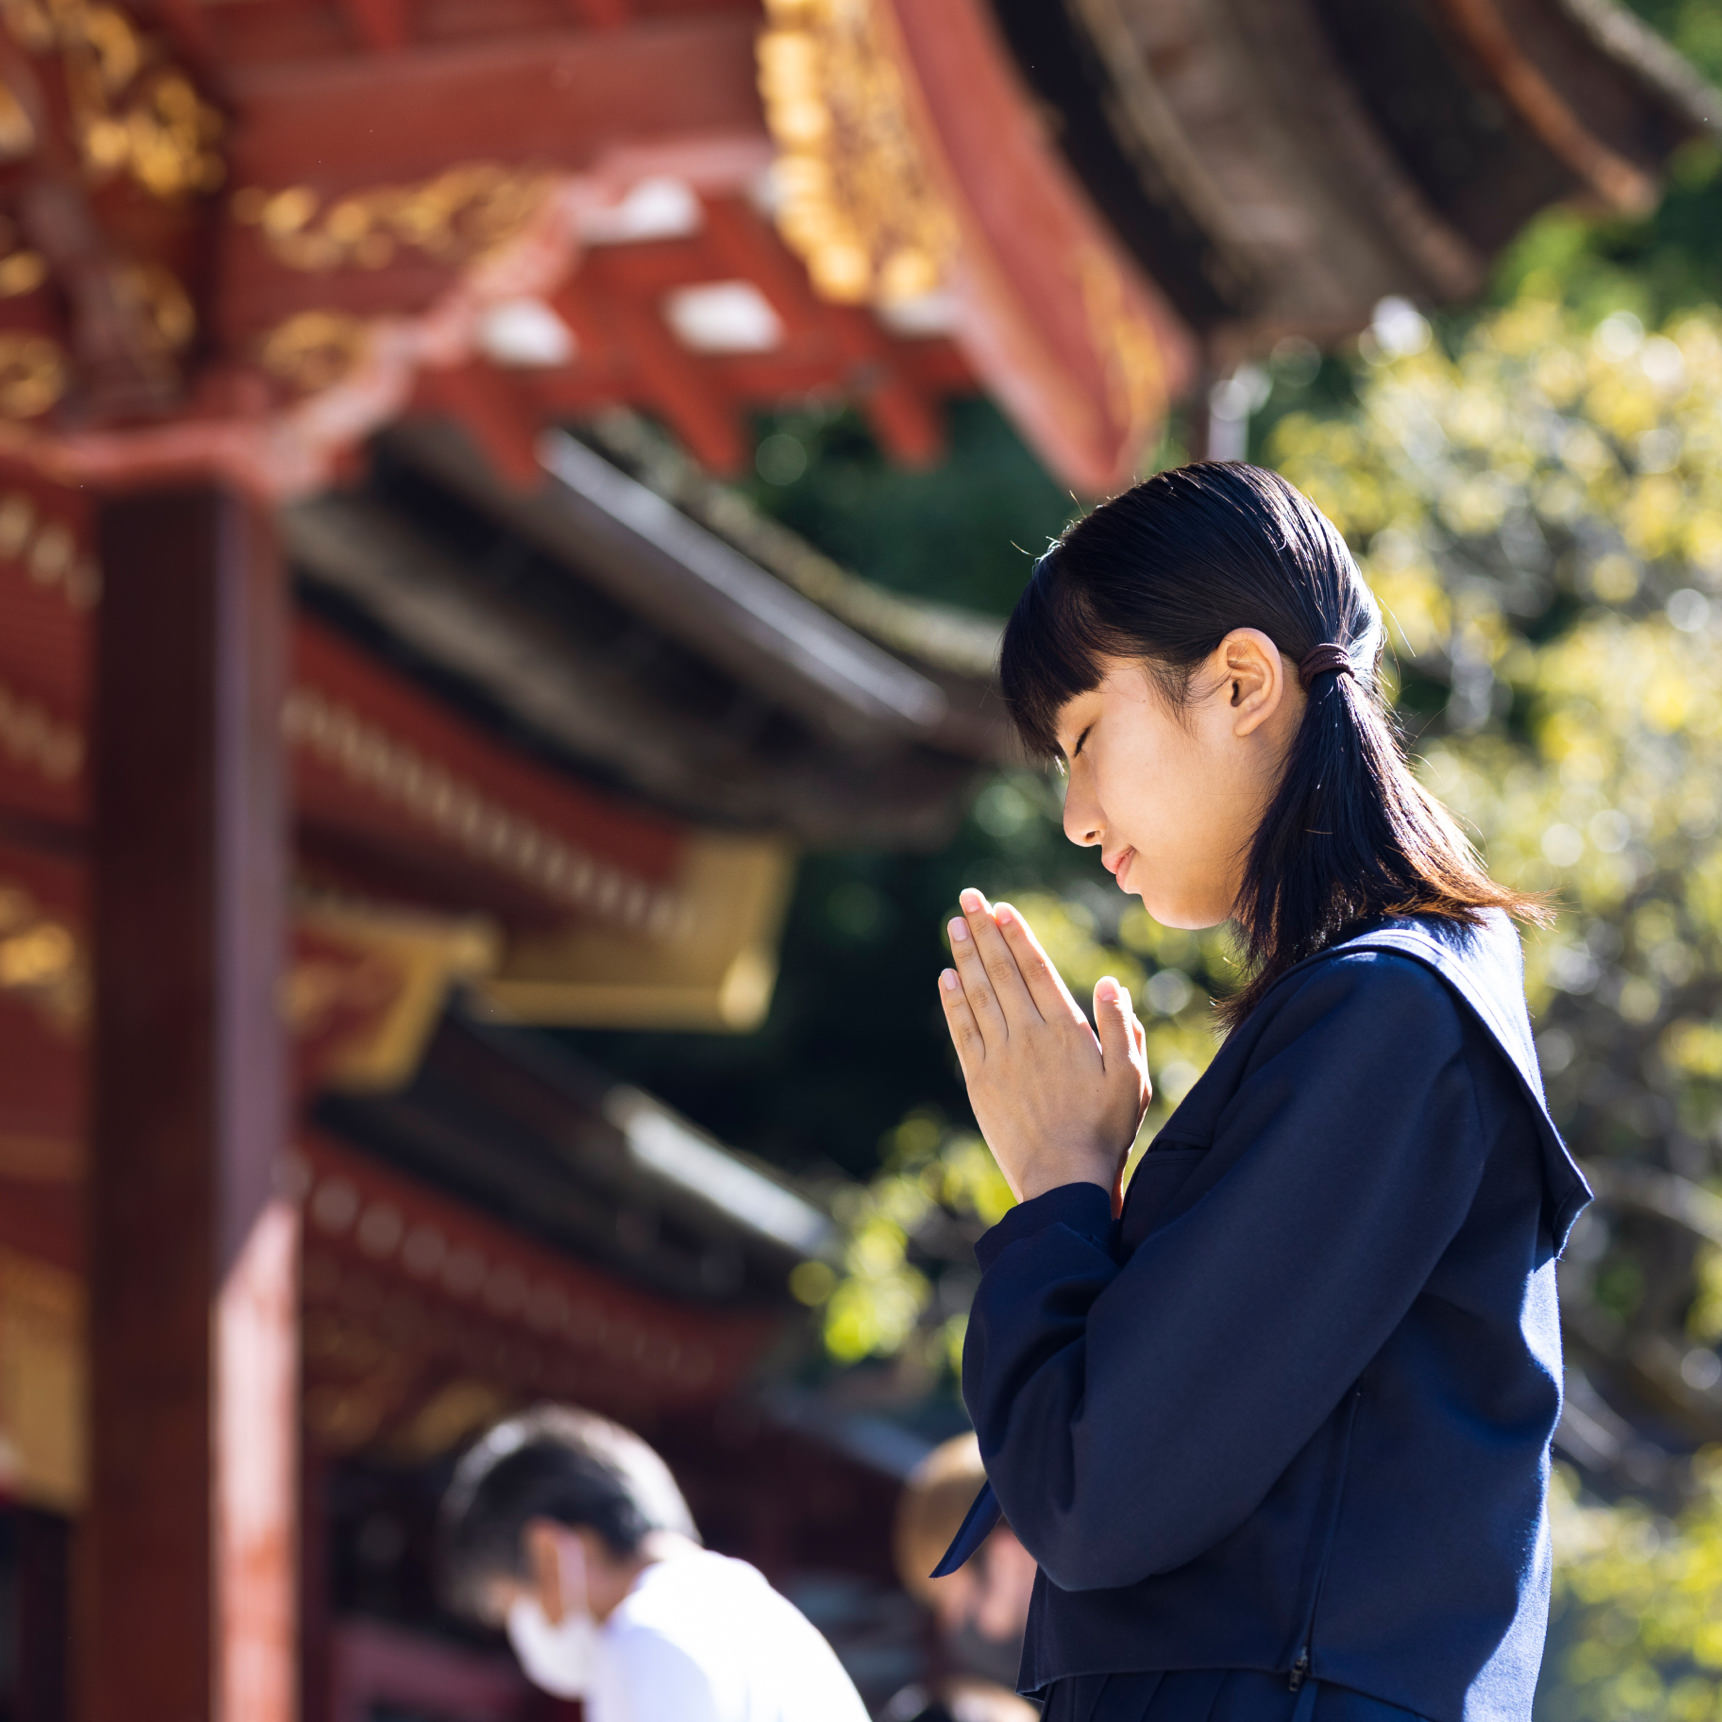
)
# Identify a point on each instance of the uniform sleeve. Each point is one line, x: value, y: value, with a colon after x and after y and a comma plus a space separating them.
x: 647, y: 1677
x: 1132, y: 1415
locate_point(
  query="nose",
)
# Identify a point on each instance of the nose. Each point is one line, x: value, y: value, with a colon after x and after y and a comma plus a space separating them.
x: 1083, y: 824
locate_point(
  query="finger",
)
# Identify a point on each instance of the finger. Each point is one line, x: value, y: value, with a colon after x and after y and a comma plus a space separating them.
x: 1045, y: 984
x: 960, y: 1020
x: 1112, y: 1020
x: 977, y: 988
x: 1008, y: 985
x: 1140, y: 1035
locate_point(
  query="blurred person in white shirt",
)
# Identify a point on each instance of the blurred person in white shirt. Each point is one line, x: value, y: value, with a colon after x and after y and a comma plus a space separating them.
x: 570, y: 1533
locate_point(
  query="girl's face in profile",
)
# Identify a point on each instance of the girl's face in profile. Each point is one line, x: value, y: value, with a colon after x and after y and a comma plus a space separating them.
x: 1172, y: 798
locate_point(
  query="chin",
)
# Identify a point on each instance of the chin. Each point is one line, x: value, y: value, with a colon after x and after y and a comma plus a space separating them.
x: 1185, y: 916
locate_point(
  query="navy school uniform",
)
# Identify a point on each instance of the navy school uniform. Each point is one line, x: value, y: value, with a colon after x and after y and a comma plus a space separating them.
x: 1279, y: 1436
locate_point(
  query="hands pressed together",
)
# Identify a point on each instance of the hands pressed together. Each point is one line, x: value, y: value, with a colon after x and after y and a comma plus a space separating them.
x: 1058, y: 1102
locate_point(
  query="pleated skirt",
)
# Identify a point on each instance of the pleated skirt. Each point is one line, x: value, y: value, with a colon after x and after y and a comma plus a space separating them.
x: 1210, y: 1695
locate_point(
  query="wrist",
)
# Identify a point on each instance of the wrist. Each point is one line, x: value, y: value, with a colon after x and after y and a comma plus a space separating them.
x: 1087, y: 1169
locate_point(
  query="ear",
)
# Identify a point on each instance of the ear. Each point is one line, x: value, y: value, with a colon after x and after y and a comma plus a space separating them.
x: 544, y: 1563
x: 1257, y: 679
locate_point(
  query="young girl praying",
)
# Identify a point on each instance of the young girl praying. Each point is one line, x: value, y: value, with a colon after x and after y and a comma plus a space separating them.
x: 1275, y: 1422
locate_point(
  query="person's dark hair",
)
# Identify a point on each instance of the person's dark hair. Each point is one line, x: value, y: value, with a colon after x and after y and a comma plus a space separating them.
x: 550, y: 1463
x: 1162, y: 573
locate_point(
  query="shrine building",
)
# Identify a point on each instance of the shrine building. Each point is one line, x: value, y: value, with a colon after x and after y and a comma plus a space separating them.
x: 387, y: 674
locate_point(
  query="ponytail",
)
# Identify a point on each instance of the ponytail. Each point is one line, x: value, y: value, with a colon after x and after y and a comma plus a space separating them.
x: 1162, y: 574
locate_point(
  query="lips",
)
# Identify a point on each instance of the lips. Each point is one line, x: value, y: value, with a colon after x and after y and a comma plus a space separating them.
x: 1115, y: 864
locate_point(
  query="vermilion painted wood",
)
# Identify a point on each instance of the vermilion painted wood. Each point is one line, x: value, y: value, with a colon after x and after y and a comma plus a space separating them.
x: 43, y: 1685
x: 638, y: 841
x: 187, y: 1580
x: 867, y: 361
x: 48, y: 618
x: 1045, y: 284
x: 452, y: 1294
x: 381, y: 25
x: 671, y: 379
x: 496, y: 409
x: 555, y: 99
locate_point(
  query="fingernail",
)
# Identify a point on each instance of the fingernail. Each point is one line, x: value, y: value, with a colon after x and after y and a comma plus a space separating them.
x: 948, y: 980
x: 972, y: 900
x: 1108, y: 989
x: 959, y: 930
x: 1003, y: 913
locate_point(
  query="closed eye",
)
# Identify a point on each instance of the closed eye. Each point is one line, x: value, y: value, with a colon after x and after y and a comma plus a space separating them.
x: 1080, y: 740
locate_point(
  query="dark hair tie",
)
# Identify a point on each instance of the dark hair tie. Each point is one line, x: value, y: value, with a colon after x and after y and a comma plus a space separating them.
x: 1324, y: 660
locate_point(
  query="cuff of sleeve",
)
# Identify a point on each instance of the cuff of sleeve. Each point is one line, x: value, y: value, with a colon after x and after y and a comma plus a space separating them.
x: 1085, y: 1209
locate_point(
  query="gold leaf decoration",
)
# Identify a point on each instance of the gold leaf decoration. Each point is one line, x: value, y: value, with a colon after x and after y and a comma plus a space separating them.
x: 1126, y: 345
x: 859, y: 206
x: 168, y: 318
x: 32, y: 374
x: 132, y: 112
x: 17, y: 130
x: 21, y: 272
x: 459, y: 214
x: 41, y: 959
x: 314, y: 349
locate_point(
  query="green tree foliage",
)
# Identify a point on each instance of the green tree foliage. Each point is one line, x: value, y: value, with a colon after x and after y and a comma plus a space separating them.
x: 1638, y: 1633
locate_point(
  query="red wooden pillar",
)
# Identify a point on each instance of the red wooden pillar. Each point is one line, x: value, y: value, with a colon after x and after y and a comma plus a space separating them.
x: 42, y: 1648
x: 187, y: 1587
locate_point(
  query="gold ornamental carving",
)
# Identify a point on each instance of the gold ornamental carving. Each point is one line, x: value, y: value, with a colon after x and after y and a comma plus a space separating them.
x: 42, y: 960
x: 47, y: 551
x: 858, y: 203
x: 313, y: 349
x: 461, y: 811
x: 1126, y: 345
x: 164, y: 310
x: 452, y: 218
x: 21, y: 269
x: 32, y: 374
x: 133, y: 113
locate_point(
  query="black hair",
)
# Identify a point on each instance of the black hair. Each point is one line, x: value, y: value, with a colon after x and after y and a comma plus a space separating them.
x: 1161, y: 574
x: 556, y: 1463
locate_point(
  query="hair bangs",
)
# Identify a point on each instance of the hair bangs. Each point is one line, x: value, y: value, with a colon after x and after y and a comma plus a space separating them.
x: 1052, y: 651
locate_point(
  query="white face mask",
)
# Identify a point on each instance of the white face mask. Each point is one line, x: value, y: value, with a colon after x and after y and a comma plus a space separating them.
x: 561, y: 1659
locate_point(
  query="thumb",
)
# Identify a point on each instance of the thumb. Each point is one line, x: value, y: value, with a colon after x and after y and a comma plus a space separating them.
x: 1113, y: 1022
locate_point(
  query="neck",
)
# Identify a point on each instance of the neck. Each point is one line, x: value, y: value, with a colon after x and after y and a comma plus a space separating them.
x: 611, y: 1586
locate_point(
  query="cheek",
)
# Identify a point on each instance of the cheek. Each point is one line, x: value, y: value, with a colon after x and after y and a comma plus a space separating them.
x: 1153, y: 793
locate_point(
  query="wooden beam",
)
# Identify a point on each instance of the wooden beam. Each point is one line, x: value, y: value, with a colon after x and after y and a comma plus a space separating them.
x: 187, y: 1582
x: 1561, y: 125
x: 673, y: 381
x: 120, y: 365
x: 902, y: 417
x: 44, y: 1594
x: 764, y: 380
x: 682, y: 92
x: 187, y: 25
x: 500, y: 415
x: 600, y: 14
x: 381, y: 25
